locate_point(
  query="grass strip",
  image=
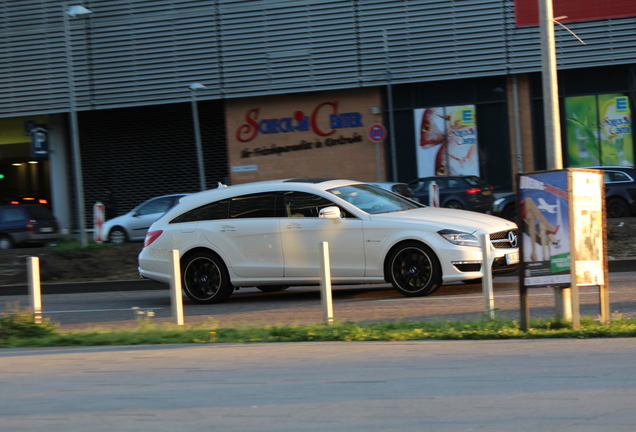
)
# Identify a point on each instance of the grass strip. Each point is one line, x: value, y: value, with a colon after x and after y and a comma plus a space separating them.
x: 18, y: 329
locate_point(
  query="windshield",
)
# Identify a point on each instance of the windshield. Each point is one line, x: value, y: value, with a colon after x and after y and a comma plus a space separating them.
x: 373, y: 199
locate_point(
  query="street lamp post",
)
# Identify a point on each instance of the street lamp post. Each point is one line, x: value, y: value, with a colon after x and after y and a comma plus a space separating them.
x: 197, y: 132
x: 550, y: 86
x: 72, y: 12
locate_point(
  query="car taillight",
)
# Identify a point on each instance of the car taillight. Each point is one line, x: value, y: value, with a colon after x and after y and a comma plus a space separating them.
x: 473, y: 190
x: 151, y: 236
x: 29, y: 225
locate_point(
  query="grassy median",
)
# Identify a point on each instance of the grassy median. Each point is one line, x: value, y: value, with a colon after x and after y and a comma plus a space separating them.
x: 19, y: 329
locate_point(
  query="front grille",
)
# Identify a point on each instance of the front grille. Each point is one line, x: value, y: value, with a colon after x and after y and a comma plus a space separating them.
x: 502, y: 240
x: 499, y: 266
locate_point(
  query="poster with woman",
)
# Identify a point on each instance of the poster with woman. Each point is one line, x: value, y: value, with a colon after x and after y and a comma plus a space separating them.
x: 446, y: 141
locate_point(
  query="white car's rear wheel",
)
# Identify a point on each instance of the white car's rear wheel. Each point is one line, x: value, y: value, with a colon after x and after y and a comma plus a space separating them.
x: 205, y: 278
x: 414, y: 270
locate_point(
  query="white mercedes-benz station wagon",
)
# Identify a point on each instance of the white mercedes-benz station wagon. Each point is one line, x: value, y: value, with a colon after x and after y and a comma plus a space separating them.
x: 267, y: 235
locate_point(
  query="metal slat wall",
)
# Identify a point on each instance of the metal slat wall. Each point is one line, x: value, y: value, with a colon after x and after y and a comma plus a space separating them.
x: 146, y: 52
x: 431, y: 40
x: 283, y: 46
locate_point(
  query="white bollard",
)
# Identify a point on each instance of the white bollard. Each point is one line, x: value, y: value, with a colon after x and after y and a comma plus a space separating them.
x: 325, y: 283
x: 433, y: 194
x: 486, y: 281
x: 98, y: 221
x: 176, y: 297
x: 35, y: 291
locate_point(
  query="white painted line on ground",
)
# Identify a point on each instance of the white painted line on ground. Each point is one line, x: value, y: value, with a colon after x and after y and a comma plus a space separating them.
x: 99, y: 310
x: 474, y: 297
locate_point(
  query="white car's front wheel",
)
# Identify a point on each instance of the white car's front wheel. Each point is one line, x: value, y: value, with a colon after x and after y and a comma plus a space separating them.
x: 414, y: 270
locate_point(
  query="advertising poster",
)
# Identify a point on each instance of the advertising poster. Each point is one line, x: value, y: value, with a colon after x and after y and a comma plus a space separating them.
x: 587, y: 223
x: 582, y: 131
x: 598, y: 130
x: 545, y: 228
x: 446, y: 141
x: 615, y: 130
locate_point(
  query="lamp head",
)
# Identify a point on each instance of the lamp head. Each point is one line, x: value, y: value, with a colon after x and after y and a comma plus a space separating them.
x: 197, y: 86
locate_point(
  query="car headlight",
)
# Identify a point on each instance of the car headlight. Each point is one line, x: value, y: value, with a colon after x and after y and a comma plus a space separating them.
x: 459, y: 238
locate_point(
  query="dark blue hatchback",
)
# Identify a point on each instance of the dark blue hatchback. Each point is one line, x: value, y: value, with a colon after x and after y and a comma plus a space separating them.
x: 24, y: 224
x: 459, y: 192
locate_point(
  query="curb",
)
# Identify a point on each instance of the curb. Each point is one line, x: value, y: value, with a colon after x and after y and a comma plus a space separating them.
x: 85, y: 287
x: 614, y: 266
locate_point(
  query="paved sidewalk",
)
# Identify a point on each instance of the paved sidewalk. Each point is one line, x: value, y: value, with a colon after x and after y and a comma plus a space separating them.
x: 494, y: 386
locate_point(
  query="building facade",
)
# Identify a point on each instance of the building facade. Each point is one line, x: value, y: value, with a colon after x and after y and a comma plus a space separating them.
x: 291, y: 89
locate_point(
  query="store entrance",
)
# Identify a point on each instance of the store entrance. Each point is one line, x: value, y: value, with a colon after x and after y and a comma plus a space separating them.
x: 22, y: 177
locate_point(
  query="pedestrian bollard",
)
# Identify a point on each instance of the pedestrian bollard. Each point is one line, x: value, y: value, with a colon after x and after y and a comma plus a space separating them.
x: 325, y: 283
x: 176, y: 298
x: 35, y: 291
x: 486, y: 281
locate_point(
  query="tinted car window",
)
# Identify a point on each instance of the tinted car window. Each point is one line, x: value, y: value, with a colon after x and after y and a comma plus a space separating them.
x: 453, y: 183
x: 39, y: 212
x: 11, y: 214
x: 302, y: 204
x: 616, y: 176
x: 259, y: 205
x: 212, y: 211
x: 160, y: 205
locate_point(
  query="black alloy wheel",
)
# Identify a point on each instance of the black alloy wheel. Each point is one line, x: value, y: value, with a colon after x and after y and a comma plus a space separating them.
x: 205, y: 278
x: 414, y: 270
x: 617, y: 208
x: 454, y: 205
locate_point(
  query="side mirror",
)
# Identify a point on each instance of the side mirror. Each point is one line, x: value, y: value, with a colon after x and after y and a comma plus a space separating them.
x: 331, y: 212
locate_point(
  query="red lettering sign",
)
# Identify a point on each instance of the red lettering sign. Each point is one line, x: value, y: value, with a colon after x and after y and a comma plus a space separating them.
x: 527, y: 11
x: 314, y: 123
x: 248, y: 131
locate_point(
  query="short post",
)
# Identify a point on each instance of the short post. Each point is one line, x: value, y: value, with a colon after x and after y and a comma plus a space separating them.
x: 433, y: 194
x: 35, y: 291
x: 176, y: 297
x: 98, y: 221
x: 325, y: 283
x: 486, y: 281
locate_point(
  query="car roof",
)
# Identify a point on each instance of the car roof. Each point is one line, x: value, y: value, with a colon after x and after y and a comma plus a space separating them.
x: 301, y: 184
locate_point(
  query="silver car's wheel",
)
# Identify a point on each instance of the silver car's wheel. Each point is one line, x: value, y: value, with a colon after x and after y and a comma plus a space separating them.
x: 414, y: 270
x: 205, y: 278
x: 117, y: 235
x: 5, y: 242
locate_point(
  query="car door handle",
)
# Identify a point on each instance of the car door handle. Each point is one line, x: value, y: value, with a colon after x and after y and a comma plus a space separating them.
x: 293, y: 226
x: 227, y: 228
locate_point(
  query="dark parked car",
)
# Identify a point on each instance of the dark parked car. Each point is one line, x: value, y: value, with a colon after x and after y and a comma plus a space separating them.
x: 505, y: 207
x: 620, y: 194
x: 399, y: 188
x: 24, y: 224
x: 620, y: 191
x: 459, y: 192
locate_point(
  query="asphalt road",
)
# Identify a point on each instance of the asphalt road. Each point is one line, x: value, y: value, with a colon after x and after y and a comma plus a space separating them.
x: 78, y: 307
x: 459, y: 386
